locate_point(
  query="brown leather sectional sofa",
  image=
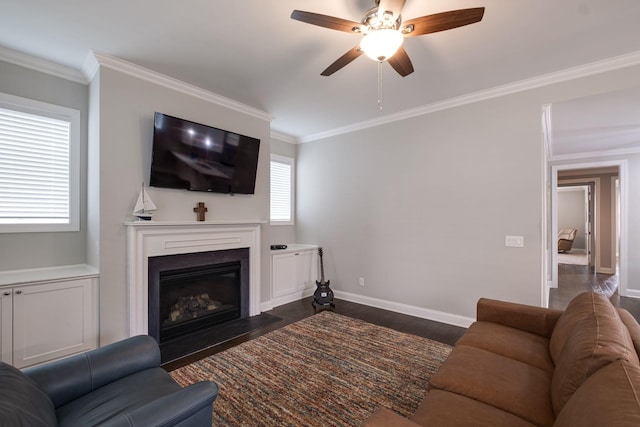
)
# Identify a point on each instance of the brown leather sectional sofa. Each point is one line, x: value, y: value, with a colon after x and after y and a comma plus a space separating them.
x: 528, y: 366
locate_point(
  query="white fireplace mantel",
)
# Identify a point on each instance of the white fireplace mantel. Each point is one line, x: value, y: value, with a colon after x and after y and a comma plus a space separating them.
x: 151, y: 238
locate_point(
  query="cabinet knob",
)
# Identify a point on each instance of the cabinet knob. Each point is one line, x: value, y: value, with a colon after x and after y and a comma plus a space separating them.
x: 18, y: 292
x: 6, y: 293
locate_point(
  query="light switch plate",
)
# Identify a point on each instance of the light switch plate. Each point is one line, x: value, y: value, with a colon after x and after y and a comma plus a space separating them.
x: 514, y: 241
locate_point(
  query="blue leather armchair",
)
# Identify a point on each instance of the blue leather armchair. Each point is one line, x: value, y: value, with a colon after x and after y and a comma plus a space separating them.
x: 121, y: 384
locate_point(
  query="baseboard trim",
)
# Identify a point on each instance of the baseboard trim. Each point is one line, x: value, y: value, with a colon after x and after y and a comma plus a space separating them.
x: 424, y: 313
x: 285, y: 299
x: 632, y: 293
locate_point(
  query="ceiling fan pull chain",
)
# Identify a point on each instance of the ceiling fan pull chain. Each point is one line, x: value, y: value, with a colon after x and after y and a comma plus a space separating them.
x: 380, y: 85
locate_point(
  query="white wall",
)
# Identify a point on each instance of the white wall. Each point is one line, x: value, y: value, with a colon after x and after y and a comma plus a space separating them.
x: 571, y: 213
x: 32, y: 250
x: 126, y: 108
x: 420, y: 208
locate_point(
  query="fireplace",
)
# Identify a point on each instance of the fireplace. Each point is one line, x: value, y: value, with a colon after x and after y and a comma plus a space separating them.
x: 150, y: 239
x: 194, y: 293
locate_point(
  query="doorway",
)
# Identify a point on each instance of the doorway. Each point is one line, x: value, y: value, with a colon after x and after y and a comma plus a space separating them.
x: 575, y: 219
x: 608, y: 239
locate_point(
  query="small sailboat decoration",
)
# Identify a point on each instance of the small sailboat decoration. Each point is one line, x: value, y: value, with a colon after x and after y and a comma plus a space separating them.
x: 144, y: 206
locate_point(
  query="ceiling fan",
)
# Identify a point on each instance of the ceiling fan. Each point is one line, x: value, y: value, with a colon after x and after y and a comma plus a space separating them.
x: 383, y: 31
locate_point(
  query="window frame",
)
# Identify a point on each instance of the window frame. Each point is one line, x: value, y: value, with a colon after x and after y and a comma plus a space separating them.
x: 71, y: 115
x: 290, y: 161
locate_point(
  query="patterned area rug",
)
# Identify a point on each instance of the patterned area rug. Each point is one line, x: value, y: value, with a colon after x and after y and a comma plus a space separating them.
x: 325, y: 370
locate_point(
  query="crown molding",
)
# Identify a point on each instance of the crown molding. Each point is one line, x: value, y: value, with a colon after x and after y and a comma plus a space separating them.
x: 41, y: 65
x: 117, y: 64
x: 284, y: 137
x: 90, y: 66
x: 572, y: 73
x: 595, y: 154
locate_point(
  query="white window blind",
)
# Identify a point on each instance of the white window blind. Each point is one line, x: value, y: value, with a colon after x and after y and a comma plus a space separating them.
x: 36, y: 168
x: 281, y: 190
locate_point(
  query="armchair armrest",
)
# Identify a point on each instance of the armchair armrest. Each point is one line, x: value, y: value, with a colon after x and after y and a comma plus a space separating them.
x: 537, y: 320
x: 171, y: 409
x: 67, y: 379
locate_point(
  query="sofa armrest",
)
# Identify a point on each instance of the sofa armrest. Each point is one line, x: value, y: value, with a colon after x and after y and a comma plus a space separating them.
x: 70, y: 378
x: 537, y: 320
x: 384, y: 417
x: 171, y: 409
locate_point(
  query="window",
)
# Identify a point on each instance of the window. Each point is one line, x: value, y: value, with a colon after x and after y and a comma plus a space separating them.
x: 39, y: 166
x: 281, y: 190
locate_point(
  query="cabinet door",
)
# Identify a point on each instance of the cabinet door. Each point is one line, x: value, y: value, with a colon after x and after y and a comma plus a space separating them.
x: 53, y: 320
x: 306, y: 269
x: 6, y: 326
x: 283, y: 274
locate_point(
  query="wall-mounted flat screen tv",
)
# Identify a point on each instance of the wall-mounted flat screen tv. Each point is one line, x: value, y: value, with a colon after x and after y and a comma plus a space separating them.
x: 197, y: 157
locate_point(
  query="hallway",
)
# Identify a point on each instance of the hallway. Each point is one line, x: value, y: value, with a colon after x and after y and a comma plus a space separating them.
x: 575, y: 279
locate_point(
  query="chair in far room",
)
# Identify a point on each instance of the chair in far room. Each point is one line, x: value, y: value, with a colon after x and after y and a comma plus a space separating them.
x: 120, y: 384
x: 565, y: 239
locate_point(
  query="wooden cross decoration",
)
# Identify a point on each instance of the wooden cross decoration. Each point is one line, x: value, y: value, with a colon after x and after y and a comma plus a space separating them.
x: 200, y: 210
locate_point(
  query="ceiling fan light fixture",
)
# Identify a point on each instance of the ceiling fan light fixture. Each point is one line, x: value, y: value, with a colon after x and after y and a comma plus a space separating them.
x: 382, y: 44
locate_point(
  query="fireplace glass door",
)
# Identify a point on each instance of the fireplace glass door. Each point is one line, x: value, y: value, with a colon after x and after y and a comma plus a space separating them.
x: 198, y: 297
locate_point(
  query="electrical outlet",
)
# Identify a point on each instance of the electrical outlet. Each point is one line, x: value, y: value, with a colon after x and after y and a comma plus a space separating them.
x: 514, y: 241
x: 361, y: 282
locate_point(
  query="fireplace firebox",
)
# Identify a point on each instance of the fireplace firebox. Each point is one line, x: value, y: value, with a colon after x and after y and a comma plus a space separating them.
x: 192, y: 293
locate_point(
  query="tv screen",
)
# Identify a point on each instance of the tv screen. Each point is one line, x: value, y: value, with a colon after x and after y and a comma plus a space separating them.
x: 196, y: 157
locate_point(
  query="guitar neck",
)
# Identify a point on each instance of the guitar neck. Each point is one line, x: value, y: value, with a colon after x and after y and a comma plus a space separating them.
x: 321, y: 266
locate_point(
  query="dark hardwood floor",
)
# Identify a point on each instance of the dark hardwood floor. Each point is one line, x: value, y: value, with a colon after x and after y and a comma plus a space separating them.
x: 573, y: 280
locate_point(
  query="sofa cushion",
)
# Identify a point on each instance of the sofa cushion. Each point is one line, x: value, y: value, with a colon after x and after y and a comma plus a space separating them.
x: 114, y: 399
x: 597, y: 339
x: 578, y: 309
x: 632, y: 326
x: 507, y: 384
x: 22, y: 402
x: 513, y: 343
x: 610, y: 397
x: 442, y: 408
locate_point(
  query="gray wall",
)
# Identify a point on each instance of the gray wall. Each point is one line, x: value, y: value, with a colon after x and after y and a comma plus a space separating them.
x: 283, y: 233
x: 420, y: 208
x: 32, y: 250
x: 122, y: 152
x: 571, y: 213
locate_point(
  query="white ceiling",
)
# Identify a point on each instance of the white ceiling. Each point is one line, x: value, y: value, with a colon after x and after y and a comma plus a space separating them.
x: 252, y: 52
x: 595, y: 124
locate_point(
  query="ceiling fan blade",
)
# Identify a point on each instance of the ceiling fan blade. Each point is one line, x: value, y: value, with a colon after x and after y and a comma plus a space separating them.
x: 393, y: 6
x: 326, y: 21
x: 441, y: 21
x: 342, y: 61
x: 401, y: 63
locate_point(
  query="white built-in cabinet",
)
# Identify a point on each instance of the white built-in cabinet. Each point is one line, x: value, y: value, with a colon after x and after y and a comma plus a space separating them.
x: 294, y: 272
x: 47, y: 314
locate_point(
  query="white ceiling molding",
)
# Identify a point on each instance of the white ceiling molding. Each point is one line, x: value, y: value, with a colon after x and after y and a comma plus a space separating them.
x: 90, y: 66
x: 595, y: 154
x: 105, y: 60
x: 586, y: 70
x: 283, y: 137
x: 41, y: 65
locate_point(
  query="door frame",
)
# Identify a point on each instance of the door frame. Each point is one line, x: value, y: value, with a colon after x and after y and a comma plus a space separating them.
x: 553, y: 231
x: 585, y: 190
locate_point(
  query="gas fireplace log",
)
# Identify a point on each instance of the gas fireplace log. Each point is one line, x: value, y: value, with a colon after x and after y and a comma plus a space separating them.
x: 191, y: 307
